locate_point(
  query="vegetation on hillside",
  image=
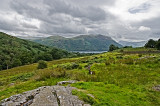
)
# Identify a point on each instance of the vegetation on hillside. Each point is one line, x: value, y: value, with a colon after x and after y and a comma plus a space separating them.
x: 42, y: 64
x: 153, y: 44
x: 80, y: 43
x: 117, y: 78
x: 16, y: 52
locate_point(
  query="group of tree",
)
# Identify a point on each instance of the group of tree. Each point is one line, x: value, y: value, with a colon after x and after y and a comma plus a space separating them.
x: 113, y: 47
x: 153, y: 44
x: 16, y: 52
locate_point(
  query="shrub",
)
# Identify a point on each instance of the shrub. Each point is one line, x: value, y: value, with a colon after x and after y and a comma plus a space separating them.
x: 107, y: 63
x: 48, y: 73
x: 111, y: 60
x: 74, y: 66
x: 42, y: 64
x: 129, y: 61
x: 97, y: 57
x: 139, y: 55
x: 80, y: 67
x: 121, y: 50
x: 23, y: 77
x: 119, y: 57
x: 71, y: 66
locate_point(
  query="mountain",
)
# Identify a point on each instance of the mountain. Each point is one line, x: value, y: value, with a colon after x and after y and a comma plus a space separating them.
x: 16, y: 52
x: 79, y: 43
x: 133, y: 44
x: 30, y: 37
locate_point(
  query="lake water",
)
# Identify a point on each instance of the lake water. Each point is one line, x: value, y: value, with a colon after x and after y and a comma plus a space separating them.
x: 90, y: 51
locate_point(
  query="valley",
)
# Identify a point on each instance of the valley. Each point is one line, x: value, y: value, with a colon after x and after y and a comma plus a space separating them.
x: 118, y: 78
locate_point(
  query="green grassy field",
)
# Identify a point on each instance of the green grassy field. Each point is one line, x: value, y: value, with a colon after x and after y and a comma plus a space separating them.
x: 118, y: 79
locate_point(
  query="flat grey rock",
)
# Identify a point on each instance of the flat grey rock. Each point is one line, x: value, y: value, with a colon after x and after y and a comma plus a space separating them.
x: 66, y: 82
x: 45, y: 96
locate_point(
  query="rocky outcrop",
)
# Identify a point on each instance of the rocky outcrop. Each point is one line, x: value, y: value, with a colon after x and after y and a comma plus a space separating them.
x: 156, y: 88
x: 45, y: 96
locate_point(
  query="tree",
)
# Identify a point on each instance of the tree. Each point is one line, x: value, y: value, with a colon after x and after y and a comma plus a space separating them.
x: 57, y: 54
x: 151, y: 44
x: 26, y: 58
x: 48, y: 57
x: 113, y: 47
x: 16, y: 62
x: 158, y: 44
x: 42, y: 64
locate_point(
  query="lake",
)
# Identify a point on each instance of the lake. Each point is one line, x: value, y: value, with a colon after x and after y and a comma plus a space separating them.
x: 90, y: 51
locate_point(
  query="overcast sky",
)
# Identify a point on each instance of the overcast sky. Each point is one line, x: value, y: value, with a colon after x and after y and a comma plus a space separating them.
x: 129, y: 20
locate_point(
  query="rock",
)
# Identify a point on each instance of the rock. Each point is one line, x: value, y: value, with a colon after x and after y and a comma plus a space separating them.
x: 90, y: 95
x: 86, y: 105
x: 156, y: 88
x: 66, y: 82
x: 11, y: 84
x: 65, y: 97
x: 45, y: 96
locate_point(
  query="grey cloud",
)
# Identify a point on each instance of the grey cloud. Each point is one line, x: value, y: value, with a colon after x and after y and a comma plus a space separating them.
x: 67, y: 28
x: 90, y: 12
x: 8, y: 25
x: 72, y: 17
x: 154, y: 24
x: 93, y: 2
x: 25, y: 8
x: 58, y: 16
x: 25, y: 25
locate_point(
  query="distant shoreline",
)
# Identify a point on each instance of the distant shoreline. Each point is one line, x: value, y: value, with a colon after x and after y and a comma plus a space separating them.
x: 90, y: 51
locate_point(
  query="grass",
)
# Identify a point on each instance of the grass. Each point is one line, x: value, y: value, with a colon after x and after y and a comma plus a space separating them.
x: 119, y: 79
x: 83, y: 96
x: 138, y: 49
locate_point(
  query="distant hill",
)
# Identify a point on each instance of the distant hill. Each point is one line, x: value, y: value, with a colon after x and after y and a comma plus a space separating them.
x: 16, y: 52
x: 133, y: 44
x: 79, y: 43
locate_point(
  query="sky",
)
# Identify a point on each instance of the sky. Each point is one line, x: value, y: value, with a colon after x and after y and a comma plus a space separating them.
x: 127, y: 20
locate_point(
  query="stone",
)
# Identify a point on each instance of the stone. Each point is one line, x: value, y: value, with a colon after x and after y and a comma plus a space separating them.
x: 66, y: 82
x: 156, y: 88
x: 45, y: 96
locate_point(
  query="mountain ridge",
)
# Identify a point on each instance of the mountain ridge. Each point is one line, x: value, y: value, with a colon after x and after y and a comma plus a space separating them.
x: 79, y: 43
x: 133, y: 44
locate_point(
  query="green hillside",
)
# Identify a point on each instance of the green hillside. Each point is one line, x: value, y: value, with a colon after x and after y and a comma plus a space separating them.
x: 79, y: 43
x: 118, y: 79
x: 16, y: 52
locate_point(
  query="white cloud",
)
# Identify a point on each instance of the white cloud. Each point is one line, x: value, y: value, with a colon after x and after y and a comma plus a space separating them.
x: 135, y: 10
x: 143, y: 28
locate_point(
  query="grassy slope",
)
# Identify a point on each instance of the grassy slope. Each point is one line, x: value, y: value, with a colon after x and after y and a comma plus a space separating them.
x: 120, y: 79
x: 16, y: 52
